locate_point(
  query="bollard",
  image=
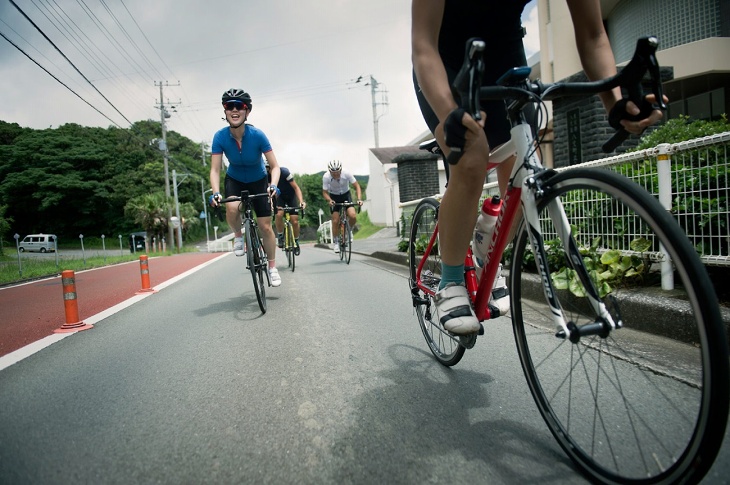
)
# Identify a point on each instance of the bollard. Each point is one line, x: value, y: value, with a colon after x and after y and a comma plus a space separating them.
x: 68, y: 281
x: 145, y: 271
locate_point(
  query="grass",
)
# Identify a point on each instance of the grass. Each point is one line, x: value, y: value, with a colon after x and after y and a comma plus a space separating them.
x: 365, y: 227
x: 35, y: 268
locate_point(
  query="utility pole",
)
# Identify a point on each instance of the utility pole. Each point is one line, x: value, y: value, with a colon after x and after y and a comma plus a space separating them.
x: 202, y: 149
x: 374, y: 91
x: 165, y: 154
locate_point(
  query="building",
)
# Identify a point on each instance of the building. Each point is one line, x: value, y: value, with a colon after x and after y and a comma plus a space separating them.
x: 694, y: 53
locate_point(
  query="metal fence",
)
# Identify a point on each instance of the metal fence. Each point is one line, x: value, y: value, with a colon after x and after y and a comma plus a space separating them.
x: 691, y: 180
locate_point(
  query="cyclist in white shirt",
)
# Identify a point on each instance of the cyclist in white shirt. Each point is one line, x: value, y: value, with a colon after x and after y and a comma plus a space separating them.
x: 336, y: 189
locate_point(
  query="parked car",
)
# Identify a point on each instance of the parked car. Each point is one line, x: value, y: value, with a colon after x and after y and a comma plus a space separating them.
x: 136, y: 241
x: 38, y: 242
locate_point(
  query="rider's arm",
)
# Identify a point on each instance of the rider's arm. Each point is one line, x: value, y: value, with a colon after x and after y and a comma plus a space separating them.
x: 327, y: 197
x: 298, y: 192
x: 597, y: 58
x: 274, y: 164
x: 357, y: 190
x: 426, y: 18
x: 216, y: 161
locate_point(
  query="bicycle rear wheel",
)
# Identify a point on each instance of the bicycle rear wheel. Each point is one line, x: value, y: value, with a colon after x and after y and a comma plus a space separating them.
x: 645, y: 403
x: 444, y: 347
x: 257, y: 263
x: 347, y: 243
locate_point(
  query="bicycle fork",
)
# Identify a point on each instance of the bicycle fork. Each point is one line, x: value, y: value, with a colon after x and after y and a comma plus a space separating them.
x: 531, y: 193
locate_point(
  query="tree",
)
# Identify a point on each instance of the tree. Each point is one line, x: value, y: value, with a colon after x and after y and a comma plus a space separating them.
x: 150, y: 211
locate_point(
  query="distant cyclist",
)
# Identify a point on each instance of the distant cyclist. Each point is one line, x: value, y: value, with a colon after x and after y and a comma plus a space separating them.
x: 336, y: 189
x: 289, y: 194
x: 245, y: 147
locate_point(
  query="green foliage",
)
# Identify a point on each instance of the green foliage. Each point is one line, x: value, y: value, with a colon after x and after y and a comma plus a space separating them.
x: 78, y: 180
x: 682, y: 129
x: 700, y: 197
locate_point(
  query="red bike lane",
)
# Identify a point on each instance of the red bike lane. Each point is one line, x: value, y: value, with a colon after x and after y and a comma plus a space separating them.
x: 32, y: 311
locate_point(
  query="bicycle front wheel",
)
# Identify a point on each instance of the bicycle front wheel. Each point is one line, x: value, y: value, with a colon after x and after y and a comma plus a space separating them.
x: 257, y: 263
x: 290, y: 244
x: 443, y: 346
x: 347, y: 244
x: 645, y: 403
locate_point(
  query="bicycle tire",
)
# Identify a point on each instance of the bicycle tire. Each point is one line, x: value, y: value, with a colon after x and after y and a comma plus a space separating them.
x: 443, y: 346
x: 340, y: 239
x: 290, y: 245
x: 649, y: 402
x: 347, y: 244
x: 257, y: 263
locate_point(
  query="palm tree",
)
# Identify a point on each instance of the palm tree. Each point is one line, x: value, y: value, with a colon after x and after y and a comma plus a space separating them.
x: 150, y: 211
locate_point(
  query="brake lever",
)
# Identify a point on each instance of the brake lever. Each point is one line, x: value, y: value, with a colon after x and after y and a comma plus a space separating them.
x: 469, y: 79
x: 644, y: 60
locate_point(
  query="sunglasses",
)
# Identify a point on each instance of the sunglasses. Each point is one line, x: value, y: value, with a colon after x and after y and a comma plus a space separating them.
x: 231, y: 105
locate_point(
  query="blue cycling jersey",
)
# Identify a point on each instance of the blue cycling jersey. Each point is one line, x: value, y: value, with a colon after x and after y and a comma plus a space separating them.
x: 246, y: 163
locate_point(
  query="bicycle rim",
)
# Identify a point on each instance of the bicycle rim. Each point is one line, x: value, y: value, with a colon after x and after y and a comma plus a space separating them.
x: 348, y: 242
x: 257, y: 264
x: 648, y: 403
x: 445, y: 348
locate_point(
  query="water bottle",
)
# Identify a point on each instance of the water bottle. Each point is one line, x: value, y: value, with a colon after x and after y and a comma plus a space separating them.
x: 484, y: 227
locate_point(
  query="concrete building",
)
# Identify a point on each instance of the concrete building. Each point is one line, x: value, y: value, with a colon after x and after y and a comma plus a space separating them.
x: 694, y: 53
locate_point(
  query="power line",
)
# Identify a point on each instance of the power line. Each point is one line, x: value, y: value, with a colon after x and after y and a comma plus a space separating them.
x: 58, y: 80
x: 67, y: 59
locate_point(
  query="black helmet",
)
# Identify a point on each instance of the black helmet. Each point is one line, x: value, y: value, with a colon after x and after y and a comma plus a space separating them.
x: 236, y: 95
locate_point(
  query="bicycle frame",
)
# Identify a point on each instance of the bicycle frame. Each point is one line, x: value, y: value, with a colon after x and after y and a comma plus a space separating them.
x: 523, y: 191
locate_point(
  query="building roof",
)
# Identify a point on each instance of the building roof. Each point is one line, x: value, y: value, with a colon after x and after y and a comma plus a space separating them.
x: 387, y: 154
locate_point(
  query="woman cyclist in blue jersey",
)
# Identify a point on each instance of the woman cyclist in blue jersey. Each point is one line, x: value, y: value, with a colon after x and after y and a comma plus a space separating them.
x: 245, y: 147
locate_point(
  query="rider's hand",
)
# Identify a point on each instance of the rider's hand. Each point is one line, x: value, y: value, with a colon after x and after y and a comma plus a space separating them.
x: 359, y: 202
x: 274, y: 191
x: 474, y: 140
x: 303, y: 205
x: 634, y: 119
x: 331, y: 202
x: 214, y: 199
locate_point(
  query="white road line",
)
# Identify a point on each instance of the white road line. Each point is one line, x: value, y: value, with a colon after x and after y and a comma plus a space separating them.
x: 30, y: 349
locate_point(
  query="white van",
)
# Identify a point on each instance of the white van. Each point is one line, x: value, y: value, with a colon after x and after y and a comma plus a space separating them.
x: 38, y: 242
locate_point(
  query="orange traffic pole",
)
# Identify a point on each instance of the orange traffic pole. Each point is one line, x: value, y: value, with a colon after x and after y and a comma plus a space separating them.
x: 73, y: 324
x: 145, y: 273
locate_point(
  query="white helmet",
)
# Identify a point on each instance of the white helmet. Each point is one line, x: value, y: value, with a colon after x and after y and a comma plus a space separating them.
x: 334, y: 166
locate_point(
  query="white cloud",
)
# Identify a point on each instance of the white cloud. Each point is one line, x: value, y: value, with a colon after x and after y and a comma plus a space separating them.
x: 297, y: 59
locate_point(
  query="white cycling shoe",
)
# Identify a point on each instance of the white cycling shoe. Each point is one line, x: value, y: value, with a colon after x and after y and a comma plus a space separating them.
x: 274, y: 276
x: 454, y: 310
x: 238, y: 246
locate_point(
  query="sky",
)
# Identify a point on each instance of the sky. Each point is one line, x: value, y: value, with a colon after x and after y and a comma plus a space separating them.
x: 300, y: 61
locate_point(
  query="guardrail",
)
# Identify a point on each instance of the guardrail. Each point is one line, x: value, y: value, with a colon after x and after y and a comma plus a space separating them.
x: 324, y: 232
x: 691, y: 180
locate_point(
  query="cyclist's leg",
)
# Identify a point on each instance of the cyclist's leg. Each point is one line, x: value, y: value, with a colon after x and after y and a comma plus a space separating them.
x: 336, y: 229
x: 351, y: 216
x: 233, y: 214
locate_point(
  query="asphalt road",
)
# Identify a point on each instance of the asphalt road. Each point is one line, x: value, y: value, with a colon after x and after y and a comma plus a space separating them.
x: 334, y: 384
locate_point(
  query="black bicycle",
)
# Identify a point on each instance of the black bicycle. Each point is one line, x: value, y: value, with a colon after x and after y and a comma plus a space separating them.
x: 345, y: 231
x: 256, y: 260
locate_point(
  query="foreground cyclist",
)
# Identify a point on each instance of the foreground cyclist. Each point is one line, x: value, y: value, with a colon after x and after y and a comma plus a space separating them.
x: 336, y: 189
x: 244, y: 145
x: 288, y: 195
x: 440, y: 29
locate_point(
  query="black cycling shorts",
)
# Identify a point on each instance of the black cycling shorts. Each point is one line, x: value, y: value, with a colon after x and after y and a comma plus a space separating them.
x: 283, y: 201
x: 261, y: 205
x: 346, y: 197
